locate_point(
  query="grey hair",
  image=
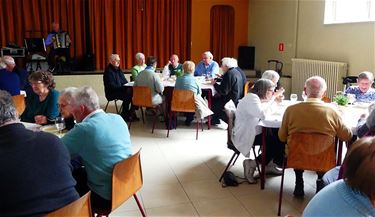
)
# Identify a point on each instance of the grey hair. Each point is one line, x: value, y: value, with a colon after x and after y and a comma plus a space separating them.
x: 114, y: 57
x: 2, y: 64
x: 68, y: 94
x: 7, y: 108
x: 229, y: 62
x: 189, y: 67
x: 366, y: 75
x: 86, y: 96
x: 261, y: 87
x: 315, y: 86
x: 270, y: 74
x: 139, y: 56
x: 8, y: 60
x: 209, y: 54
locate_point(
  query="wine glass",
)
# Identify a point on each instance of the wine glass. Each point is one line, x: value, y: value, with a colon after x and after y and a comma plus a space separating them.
x: 304, y: 96
x: 60, y: 124
x: 293, y: 97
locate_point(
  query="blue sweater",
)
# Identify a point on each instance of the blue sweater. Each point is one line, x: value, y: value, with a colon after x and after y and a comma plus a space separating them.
x: 102, y: 140
x: 188, y: 82
x: 10, y: 82
x: 210, y: 71
x: 338, y: 199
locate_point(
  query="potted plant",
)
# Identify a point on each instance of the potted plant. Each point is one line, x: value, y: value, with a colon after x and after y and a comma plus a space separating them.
x: 341, y: 100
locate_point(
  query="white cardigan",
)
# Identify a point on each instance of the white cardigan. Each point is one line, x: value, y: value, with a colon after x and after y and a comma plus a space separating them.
x: 250, y: 110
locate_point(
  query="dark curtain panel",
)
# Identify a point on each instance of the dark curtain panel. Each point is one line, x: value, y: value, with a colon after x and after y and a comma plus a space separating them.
x: 21, y: 19
x: 222, y: 31
x: 154, y: 27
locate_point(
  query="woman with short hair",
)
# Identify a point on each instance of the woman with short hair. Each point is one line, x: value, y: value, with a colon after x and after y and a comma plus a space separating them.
x: 42, y: 102
x: 246, y: 131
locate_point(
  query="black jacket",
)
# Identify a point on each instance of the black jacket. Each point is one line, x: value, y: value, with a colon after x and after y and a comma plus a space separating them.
x: 114, y: 81
x: 232, y: 85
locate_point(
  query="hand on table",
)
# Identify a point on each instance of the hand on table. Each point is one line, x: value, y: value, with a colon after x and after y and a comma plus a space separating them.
x: 40, y: 119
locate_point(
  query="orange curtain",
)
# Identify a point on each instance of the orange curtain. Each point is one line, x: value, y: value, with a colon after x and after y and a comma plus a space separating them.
x: 222, y: 31
x: 154, y: 27
x: 21, y: 19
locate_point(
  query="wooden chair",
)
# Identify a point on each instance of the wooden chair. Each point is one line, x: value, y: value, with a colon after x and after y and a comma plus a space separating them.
x: 231, y: 118
x: 143, y: 99
x: 127, y: 179
x: 80, y: 207
x: 19, y: 102
x: 309, y: 151
x: 182, y: 101
x: 247, y: 87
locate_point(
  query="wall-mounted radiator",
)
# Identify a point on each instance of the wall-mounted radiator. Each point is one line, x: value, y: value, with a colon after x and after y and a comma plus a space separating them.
x: 332, y: 72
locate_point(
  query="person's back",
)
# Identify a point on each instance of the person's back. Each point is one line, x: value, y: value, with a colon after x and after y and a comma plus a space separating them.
x: 314, y: 116
x: 149, y: 79
x: 188, y: 82
x: 100, y: 146
x: 232, y: 85
x: 36, y: 172
x: 9, y: 81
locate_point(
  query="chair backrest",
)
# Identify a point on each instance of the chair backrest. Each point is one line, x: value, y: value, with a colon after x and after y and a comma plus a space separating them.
x: 80, y: 207
x: 311, y: 151
x: 142, y: 96
x: 247, y: 87
x: 183, y: 101
x: 19, y: 102
x: 127, y: 179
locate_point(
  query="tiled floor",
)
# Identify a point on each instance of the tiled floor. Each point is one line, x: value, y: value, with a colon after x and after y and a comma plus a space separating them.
x: 181, y: 178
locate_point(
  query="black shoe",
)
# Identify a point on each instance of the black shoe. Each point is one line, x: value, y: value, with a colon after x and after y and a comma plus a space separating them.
x: 214, y: 121
x: 298, y: 190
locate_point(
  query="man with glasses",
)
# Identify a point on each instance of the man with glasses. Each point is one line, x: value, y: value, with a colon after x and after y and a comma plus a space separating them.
x: 364, y: 91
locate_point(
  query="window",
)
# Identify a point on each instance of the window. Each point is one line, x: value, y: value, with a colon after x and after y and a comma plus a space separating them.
x: 349, y: 11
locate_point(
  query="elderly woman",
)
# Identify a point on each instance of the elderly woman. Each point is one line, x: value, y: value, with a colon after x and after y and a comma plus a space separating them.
x: 188, y: 82
x: 41, y: 104
x: 363, y: 92
x: 140, y: 66
x: 275, y: 77
x: 246, y: 132
x: 355, y: 194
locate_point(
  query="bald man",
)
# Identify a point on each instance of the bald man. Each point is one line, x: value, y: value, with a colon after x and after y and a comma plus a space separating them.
x: 173, y: 67
x: 312, y: 116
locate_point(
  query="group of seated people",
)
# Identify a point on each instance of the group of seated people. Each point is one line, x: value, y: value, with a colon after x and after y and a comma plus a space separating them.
x: 230, y: 87
x: 38, y: 165
x: 93, y: 143
x: 355, y: 194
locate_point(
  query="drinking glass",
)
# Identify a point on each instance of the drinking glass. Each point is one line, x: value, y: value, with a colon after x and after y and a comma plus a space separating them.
x: 60, y: 124
x: 351, y: 98
x: 293, y: 97
x: 304, y: 96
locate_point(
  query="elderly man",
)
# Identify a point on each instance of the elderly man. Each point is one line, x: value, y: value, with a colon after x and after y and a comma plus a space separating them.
x: 58, y: 51
x: 207, y: 67
x: 363, y: 92
x: 312, y: 116
x: 231, y: 87
x: 21, y: 73
x: 173, y: 67
x: 65, y: 109
x: 9, y: 81
x: 100, y: 139
x: 114, y: 81
x: 35, y: 168
x: 149, y: 79
x: 140, y: 58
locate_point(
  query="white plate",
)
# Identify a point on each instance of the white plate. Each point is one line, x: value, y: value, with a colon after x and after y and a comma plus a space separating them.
x: 49, y: 129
